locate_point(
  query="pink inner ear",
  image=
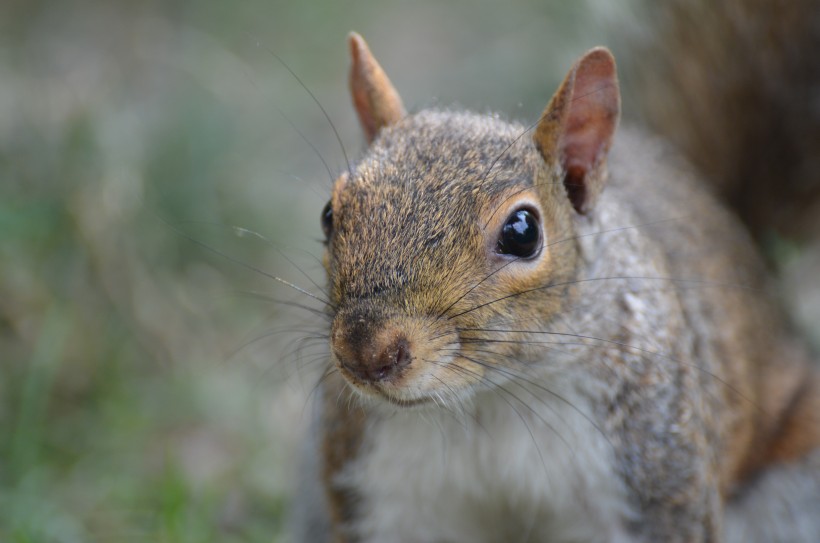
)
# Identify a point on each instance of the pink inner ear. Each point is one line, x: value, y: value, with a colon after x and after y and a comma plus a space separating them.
x: 590, y: 123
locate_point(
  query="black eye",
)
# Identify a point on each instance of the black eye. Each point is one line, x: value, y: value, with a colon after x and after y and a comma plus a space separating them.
x: 520, y: 235
x: 327, y: 220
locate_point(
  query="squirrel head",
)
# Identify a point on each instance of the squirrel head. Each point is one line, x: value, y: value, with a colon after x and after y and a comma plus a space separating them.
x: 455, y: 224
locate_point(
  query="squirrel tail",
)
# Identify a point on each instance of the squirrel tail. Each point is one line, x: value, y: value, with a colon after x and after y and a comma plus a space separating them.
x: 735, y: 85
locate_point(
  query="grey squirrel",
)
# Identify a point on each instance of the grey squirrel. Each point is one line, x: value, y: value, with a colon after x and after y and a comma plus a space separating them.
x: 552, y: 333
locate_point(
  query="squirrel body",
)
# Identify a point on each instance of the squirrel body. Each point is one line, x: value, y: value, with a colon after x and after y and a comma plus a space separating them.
x: 624, y: 377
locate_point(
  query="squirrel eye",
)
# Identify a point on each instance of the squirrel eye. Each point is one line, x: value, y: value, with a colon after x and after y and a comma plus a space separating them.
x: 520, y: 235
x: 327, y: 220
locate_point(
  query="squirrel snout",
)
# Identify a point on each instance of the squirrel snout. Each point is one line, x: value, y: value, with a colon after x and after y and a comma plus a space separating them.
x: 371, y: 357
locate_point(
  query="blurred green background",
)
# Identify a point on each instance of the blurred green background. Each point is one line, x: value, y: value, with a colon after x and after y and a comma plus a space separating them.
x: 154, y: 167
x: 150, y: 389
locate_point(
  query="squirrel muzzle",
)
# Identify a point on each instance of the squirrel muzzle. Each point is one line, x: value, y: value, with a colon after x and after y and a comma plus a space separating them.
x: 369, y: 349
x: 391, y: 355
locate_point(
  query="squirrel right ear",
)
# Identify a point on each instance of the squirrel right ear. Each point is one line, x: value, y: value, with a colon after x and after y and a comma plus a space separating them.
x: 376, y: 101
x: 576, y: 128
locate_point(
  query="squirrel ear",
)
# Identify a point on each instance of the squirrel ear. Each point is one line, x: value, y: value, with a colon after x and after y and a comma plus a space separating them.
x: 376, y: 101
x: 576, y: 128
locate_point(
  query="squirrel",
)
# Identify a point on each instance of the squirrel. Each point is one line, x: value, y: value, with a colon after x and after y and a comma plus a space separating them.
x: 548, y: 333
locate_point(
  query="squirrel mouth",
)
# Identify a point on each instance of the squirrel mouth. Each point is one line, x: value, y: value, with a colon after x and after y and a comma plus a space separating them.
x: 403, y: 402
x: 376, y: 390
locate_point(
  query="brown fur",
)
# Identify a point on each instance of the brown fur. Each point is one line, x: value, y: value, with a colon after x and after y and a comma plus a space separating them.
x: 341, y: 440
x: 376, y: 101
x: 694, y: 380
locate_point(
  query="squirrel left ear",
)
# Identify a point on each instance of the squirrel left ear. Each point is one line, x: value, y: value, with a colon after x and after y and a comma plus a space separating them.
x: 376, y: 101
x: 576, y: 128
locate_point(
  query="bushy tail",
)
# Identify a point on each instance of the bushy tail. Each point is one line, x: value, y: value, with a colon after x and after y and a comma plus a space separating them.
x: 735, y: 84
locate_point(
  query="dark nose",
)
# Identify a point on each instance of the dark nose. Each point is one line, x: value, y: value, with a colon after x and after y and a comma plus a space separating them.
x: 375, y: 360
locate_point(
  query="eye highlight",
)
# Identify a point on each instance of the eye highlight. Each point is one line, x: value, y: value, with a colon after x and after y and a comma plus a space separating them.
x: 327, y: 220
x: 521, y: 234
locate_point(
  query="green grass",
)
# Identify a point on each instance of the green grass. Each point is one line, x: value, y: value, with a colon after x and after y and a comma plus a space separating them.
x: 124, y: 417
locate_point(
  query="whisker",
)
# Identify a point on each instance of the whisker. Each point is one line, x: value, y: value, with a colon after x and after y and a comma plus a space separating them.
x: 620, y: 344
x: 548, y: 245
x: 698, y: 282
x: 619, y: 229
x: 330, y: 370
x: 315, y: 101
x: 500, y: 388
x: 509, y: 372
x: 261, y: 296
x: 245, y: 265
x: 241, y: 232
x: 309, y: 143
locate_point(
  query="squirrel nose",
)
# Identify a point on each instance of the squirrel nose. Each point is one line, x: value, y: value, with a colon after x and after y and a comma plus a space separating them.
x: 374, y: 360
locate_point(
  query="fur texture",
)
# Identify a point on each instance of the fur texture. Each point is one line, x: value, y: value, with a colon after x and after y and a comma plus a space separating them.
x: 628, y: 378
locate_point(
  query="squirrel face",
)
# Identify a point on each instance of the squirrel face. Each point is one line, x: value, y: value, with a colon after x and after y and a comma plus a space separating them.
x: 454, y: 223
